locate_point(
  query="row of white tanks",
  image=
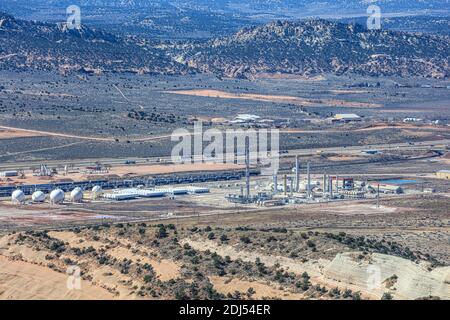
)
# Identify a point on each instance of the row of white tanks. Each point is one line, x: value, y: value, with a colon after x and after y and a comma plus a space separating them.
x: 56, y: 196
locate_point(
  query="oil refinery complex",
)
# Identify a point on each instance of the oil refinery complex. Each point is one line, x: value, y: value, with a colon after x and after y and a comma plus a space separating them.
x: 296, y: 188
x: 300, y: 181
x: 289, y: 187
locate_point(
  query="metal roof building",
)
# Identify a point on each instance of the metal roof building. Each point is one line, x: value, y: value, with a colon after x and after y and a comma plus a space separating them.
x: 346, y: 117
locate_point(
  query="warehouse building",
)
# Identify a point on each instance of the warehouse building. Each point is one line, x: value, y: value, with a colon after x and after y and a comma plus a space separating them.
x: 346, y: 117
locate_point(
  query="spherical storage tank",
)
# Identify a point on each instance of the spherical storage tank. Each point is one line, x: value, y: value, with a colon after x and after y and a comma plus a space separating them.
x: 38, y: 196
x: 57, y: 196
x: 18, y: 196
x: 76, y: 195
x: 96, y: 191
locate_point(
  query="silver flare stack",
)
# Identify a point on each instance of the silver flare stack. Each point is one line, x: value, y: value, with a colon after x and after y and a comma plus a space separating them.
x: 330, y: 185
x: 308, y: 187
x: 275, y: 184
x: 297, y: 174
x: 247, y: 172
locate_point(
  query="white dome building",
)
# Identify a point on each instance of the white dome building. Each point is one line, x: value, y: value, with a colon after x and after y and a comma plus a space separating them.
x: 76, y: 195
x: 18, y: 197
x: 57, y: 196
x: 38, y: 196
x: 96, y: 192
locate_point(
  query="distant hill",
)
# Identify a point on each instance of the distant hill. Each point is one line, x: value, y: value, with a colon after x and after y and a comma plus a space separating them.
x: 155, y: 19
x: 308, y: 47
x: 26, y: 45
x: 318, y: 46
x: 428, y: 24
x: 288, y: 8
x: 200, y: 19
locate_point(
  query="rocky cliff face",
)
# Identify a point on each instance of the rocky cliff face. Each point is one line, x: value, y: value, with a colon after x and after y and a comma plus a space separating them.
x: 319, y: 46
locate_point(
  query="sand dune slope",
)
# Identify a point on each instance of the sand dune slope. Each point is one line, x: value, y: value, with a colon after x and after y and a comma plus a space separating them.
x: 23, y: 280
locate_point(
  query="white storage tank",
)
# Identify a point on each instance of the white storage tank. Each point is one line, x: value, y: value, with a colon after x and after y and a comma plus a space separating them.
x: 38, y: 196
x: 120, y: 196
x: 198, y: 190
x: 18, y: 196
x: 9, y: 173
x: 57, y: 196
x: 76, y: 195
x: 96, y: 192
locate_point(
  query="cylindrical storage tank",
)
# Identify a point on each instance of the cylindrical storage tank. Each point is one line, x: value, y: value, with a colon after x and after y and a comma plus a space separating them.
x: 38, y: 196
x: 18, y: 196
x: 57, y: 196
x: 76, y: 195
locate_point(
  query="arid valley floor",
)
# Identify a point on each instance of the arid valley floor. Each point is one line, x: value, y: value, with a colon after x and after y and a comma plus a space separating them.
x: 201, y: 246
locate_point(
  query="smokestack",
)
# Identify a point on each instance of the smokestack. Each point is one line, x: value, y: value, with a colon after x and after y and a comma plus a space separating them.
x: 292, y: 187
x: 297, y: 174
x: 324, y: 187
x: 247, y: 171
x: 337, y: 183
x: 308, y: 187
x: 285, y: 185
x: 330, y: 186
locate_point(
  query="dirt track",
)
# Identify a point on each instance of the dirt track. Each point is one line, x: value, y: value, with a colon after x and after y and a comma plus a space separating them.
x: 14, y: 132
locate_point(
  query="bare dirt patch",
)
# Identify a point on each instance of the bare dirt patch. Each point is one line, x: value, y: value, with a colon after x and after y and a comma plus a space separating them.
x: 23, y: 280
x: 279, y: 99
x: 12, y: 134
